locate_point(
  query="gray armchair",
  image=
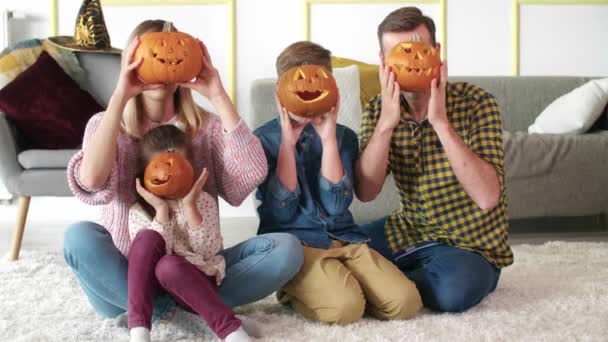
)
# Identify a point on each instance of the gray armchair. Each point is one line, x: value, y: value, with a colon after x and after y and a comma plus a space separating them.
x: 28, y: 173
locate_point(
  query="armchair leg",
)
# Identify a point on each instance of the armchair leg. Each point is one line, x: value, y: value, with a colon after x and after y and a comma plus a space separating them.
x: 24, y: 205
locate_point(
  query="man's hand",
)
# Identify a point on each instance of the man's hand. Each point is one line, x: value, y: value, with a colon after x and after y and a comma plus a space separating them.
x: 438, y: 115
x: 391, y: 105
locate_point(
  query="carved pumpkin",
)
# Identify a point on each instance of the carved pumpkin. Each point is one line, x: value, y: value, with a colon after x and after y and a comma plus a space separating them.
x: 415, y: 64
x: 308, y: 91
x: 169, y: 175
x: 168, y: 57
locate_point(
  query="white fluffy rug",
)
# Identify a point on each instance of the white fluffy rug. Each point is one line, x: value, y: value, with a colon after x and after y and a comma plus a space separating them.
x: 553, y: 292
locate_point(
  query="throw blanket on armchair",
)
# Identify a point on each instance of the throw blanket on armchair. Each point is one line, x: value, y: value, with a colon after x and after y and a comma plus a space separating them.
x: 19, y: 56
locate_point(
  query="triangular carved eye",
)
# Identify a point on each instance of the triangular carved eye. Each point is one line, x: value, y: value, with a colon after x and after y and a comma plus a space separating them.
x: 406, y: 47
x: 323, y: 73
x: 299, y: 75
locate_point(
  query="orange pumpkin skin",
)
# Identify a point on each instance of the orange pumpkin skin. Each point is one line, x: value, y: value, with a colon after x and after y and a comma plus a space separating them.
x: 168, y: 57
x: 169, y: 175
x: 415, y: 64
x: 308, y: 91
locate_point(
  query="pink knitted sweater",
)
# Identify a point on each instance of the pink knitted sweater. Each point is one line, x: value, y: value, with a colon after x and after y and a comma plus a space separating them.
x: 235, y: 160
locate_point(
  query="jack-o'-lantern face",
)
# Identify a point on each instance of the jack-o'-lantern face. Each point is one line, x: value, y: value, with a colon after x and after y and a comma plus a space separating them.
x: 308, y: 91
x: 169, y: 175
x: 168, y: 57
x: 415, y: 64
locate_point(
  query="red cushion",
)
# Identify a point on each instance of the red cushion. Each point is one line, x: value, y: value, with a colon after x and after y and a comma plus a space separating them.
x: 47, y: 106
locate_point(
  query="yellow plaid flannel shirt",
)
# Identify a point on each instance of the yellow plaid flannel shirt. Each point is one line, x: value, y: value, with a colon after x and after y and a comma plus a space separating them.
x: 434, y: 205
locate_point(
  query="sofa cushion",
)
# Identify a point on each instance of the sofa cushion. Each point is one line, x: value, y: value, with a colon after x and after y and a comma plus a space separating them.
x: 574, y: 112
x: 45, y: 159
x: 47, y: 106
x: 349, y: 113
x: 368, y: 75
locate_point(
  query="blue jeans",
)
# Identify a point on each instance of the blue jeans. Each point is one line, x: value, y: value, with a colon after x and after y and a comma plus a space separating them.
x: 254, y: 269
x: 449, y: 279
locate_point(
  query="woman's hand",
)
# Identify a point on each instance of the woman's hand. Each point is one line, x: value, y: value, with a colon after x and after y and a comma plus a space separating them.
x: 129, y: 85
x: 207, y: 82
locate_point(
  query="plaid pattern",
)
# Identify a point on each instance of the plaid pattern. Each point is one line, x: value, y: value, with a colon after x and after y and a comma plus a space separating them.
x: 434, y: 205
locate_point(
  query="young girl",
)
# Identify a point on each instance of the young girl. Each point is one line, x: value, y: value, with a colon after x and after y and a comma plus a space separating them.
x: 184, y: 233
x: 103, y: 173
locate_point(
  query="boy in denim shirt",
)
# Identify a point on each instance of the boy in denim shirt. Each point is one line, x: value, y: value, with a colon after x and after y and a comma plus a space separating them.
x: 307, y: 193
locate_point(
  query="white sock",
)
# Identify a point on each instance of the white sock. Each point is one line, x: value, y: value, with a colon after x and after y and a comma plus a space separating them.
x: 239, y: 335
x: 140, y: 334
x: 251, y: 326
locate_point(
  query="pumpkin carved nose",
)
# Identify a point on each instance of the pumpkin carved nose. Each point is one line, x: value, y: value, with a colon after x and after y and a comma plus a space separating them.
x: 418, y: 56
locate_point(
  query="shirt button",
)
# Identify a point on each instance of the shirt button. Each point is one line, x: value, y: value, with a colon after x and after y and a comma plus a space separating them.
x: 283, y: 204
x: 346, y: 193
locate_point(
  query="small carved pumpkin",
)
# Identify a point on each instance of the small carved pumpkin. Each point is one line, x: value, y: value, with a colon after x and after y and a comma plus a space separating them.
x: 168, y: 57
x: 169, y: 175
x: 415, y: 64
x: 308, y: 91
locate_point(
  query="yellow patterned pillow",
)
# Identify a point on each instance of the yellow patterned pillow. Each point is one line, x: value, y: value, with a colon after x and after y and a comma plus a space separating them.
x: 368, y: 77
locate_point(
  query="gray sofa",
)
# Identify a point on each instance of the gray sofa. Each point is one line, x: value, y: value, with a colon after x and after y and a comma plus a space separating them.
x: 552, y: 180
x: 27, y: 173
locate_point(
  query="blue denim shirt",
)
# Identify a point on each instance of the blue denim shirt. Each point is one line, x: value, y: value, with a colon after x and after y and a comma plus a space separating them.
x: 317, y: 211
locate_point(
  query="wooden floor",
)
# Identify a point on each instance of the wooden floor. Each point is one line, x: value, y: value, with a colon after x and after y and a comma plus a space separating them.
x: 46, y: 225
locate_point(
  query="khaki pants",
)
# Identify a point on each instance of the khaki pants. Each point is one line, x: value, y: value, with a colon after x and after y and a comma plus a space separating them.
x: 335, y: 284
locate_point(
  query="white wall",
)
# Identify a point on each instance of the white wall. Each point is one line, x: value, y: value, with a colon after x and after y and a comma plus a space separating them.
x: 555, y: 40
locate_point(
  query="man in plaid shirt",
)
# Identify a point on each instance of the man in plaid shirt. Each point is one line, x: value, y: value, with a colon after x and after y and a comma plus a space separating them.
x: 444, y: 149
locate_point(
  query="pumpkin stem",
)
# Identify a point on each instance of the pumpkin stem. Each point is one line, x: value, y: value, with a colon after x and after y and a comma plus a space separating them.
x: 416, y: 37
x: 168, y: 26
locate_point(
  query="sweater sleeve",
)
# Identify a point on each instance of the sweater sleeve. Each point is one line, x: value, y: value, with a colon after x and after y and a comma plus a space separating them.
x: 102, y: 195
x: 240, y: 163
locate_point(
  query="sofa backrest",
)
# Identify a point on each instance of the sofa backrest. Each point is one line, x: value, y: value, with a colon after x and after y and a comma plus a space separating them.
x: 102, y: 71
x: 520, y: 99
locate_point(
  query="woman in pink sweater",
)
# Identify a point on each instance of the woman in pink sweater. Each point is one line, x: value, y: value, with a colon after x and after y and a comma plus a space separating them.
x: 103, y: 173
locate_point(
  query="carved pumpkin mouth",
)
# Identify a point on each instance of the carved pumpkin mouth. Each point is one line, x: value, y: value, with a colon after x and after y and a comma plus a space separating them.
x: 416, y: 71
x: 169, y: 61
x: 310, y: 96
x: 160, y: 181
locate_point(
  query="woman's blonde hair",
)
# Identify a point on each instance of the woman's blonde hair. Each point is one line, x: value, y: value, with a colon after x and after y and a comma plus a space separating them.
x: 188, y: 113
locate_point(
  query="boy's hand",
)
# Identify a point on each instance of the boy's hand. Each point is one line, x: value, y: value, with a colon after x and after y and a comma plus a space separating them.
x: 290, y: 130
x: 326, y: 125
